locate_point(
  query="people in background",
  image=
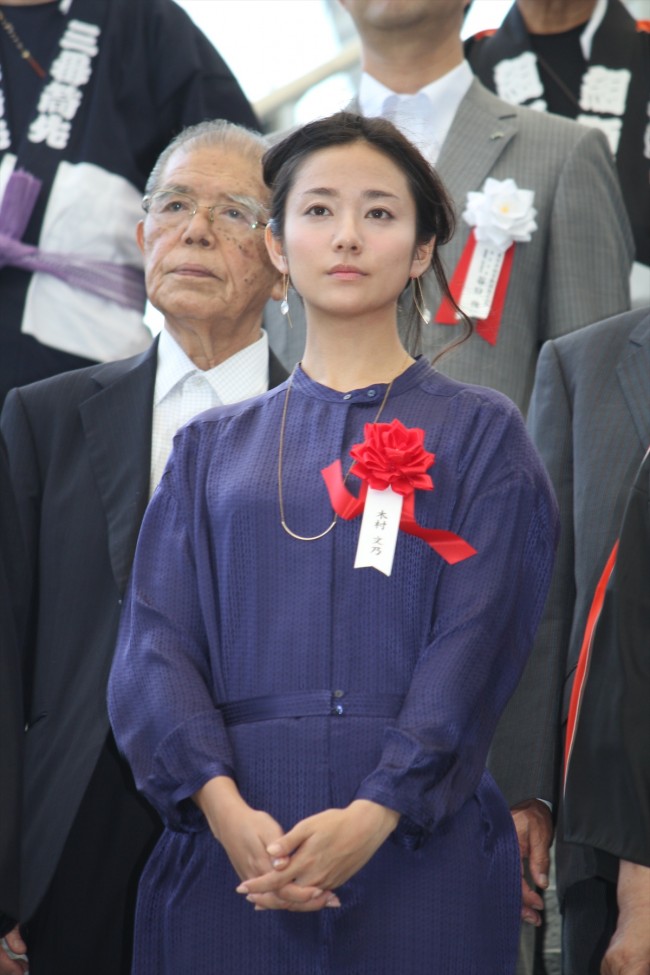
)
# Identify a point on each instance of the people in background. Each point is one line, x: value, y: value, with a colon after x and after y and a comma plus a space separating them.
x: 83, y: 117
x: 588, y: 60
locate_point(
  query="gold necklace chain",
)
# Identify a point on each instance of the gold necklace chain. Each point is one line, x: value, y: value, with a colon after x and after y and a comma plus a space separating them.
x: 26, y: 55
x: 312, y: 538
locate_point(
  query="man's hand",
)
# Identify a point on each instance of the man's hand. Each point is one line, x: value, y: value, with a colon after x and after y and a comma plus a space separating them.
x: 534, y: 826
x: 322, y: 852
x: 629, y: 950
x: 11, y: 966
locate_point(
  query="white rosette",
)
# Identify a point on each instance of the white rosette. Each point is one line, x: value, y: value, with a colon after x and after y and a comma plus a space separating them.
x: 501, y: 215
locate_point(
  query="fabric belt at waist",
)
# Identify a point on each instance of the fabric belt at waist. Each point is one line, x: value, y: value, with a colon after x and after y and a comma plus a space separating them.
x: 310, y: 704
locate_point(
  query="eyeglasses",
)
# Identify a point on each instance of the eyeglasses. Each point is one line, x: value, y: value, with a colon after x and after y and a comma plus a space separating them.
x: 231, y: 215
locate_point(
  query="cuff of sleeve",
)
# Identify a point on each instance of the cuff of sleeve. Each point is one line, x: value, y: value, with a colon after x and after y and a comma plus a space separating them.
x: 193, y: 753
x: 410, y: 832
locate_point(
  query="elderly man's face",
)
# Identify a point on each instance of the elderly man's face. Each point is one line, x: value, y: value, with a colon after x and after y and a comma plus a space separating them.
x: 199, y: 273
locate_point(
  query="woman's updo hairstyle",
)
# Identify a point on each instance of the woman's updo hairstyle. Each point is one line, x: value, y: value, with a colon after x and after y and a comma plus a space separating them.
x: 433, y: 206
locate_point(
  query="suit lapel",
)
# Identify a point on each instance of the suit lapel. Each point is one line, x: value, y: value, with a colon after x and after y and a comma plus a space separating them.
x: 483, y: 123
x: 633, y: 372
x: 117, y: 424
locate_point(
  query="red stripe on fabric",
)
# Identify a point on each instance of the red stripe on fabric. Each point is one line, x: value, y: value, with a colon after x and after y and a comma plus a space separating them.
x: 585, y: 655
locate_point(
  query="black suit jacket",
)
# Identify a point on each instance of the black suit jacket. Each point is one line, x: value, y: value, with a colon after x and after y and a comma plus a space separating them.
x: 608, y: 780
x: 80, y: 450
x: 14, y: 589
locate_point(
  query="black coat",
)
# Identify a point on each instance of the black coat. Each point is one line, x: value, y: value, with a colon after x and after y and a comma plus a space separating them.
x: 14, y: 592
x: 80, y: 449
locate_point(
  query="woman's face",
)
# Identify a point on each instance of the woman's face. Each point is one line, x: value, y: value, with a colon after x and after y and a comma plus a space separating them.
x: 349, y: 232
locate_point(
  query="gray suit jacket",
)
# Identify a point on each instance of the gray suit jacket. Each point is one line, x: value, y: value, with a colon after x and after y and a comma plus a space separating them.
x: 79, y: 447
x: 590, y: 419
x: 575, y: 269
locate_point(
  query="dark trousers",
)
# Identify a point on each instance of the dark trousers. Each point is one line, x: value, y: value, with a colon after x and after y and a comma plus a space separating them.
x: 84, y: 924
x: 589, y: 916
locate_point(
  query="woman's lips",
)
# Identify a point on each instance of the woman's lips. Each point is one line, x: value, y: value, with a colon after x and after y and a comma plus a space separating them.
x: 347, y: 272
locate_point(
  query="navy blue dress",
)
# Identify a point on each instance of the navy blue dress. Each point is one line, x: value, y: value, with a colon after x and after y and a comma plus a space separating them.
x: 244, y: 652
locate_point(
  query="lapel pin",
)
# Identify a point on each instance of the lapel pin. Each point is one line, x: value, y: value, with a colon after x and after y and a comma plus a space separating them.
x: 496, y: 135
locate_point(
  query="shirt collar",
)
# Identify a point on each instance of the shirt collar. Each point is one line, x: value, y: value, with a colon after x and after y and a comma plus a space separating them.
x: 239, y: 377
x: 444, y: 95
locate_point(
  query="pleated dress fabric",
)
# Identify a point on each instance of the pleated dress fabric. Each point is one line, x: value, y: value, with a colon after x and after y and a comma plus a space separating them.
x: 245, y: 652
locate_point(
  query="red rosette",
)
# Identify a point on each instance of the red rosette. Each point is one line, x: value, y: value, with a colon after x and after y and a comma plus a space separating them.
x: 393, y: 455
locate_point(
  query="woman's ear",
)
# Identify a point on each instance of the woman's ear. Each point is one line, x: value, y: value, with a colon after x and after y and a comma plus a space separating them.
x: 274, y: 248
x: 422, y: 258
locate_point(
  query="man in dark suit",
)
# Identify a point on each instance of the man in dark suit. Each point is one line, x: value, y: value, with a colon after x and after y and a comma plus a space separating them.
x: 86, y: 451
x: 590, y: 419
x: 607, y: 780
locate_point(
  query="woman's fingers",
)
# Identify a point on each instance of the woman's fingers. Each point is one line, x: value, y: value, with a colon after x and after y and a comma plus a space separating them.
x: 294, y: 898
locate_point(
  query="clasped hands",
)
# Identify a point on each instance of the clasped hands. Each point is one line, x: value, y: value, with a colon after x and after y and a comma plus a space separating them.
x: 299, y: 870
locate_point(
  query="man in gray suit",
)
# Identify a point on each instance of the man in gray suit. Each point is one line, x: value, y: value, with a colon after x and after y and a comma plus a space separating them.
x: 590, y: 419
x: 86, y: 449
x: 573, y: 270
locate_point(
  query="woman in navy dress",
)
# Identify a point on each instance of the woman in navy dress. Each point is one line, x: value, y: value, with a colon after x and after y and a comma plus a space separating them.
x: 314, y: 734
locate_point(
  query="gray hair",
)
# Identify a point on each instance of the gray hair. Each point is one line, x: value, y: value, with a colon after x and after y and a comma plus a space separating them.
x: 218, y: 132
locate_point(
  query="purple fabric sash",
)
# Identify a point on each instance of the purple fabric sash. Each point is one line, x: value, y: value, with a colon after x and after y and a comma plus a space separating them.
x: 120, y: 283
x: 310, y: 704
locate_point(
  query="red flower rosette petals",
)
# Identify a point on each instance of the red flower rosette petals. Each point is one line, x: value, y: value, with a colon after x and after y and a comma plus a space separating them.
x: 393, y: 455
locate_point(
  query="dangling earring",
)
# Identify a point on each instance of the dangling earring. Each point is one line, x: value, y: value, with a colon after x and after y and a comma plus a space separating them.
x: 418, y: 301
x: 284, y: 304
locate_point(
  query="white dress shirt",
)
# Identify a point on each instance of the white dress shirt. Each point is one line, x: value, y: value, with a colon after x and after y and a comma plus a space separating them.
x: 424, y: 117
x: 182, y: 390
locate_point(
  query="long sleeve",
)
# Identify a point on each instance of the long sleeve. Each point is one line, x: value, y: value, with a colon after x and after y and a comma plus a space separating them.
x: 163, y: 713
x: 486, y: 613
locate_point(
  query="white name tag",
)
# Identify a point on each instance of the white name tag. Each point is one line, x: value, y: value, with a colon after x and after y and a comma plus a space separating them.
x: 481, y: 281
x: 379, y: 527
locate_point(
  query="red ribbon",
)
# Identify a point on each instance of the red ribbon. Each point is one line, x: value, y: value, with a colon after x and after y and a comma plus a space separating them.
x: 487, y: 328
x: 450, y: 547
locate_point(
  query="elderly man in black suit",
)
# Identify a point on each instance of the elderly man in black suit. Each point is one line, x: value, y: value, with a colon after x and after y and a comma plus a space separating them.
x: 86, y: 451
